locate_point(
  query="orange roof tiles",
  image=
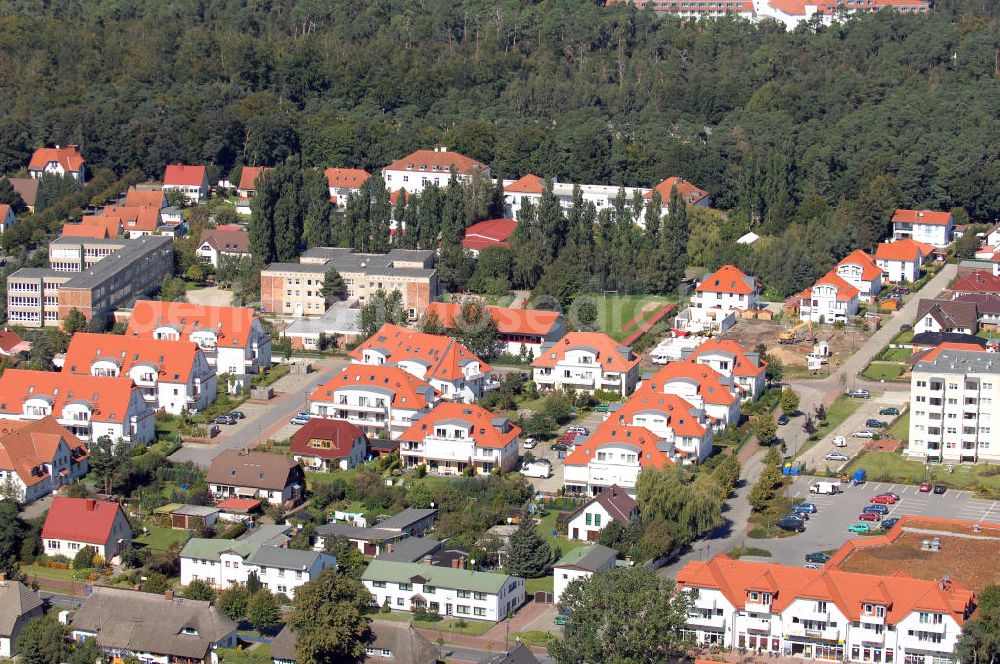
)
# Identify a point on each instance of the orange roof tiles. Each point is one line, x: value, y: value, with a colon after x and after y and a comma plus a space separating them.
x: 145, y: 197
x: 30, y: 446
x: 440, y: 161
x: 611, y: 355
x: 682, y: 418
x: 845, y: 291
x: 486, y: 428
x: 106, y: 229
x: 489, y: 233
x: 928, y: 217
x: 408, y: 391
x: 743, y: 365
x: 4, y: 209
x: 509, y: 321
x: 713, y: 387
x: 341, y: 436
x: 248, y: 177
x: 689, y: 192
x: 728, y: 279
x: 394, y: 196
x: 951, y: 345
x: 444, y: 356
x: 80, y: 520
x: 174, y: 360
x: 869, y: 270
x: 185, y: 176
x: 234, y: 324
x: 650, y: 454
x: 142, y: 218
x: 109, y: 397
x: 526, y: 184
x: 68, y: 157
x: 11, y: 341
x: 903, y: 250
x: 348, y: 178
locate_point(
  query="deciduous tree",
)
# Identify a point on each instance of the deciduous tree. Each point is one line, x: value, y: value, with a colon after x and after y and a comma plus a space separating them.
x: 329, y: 619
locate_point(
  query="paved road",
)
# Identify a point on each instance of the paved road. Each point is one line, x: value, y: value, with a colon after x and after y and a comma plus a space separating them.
x: 264, y: 420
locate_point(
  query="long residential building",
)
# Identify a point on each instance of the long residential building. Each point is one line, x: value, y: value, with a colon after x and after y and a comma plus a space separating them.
x: 824, y: 614
x: 526, y: 329
x: 93, y: 277
x: 954, y: 391
x: 455, y: 437
x: 423, y: 168
x: 615, y: 455
x: 747, y: 368
x: 586, y: 362
x: 789, y: 13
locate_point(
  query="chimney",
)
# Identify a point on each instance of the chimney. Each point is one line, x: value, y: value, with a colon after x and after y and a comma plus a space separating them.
x: 168, y: 595
x: 91, y: 504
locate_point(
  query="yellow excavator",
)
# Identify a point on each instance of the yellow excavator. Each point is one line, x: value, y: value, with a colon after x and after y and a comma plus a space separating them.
x: 790, y: 336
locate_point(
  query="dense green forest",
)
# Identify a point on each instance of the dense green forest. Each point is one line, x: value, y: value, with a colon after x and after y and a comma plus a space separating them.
x: 796, y: 134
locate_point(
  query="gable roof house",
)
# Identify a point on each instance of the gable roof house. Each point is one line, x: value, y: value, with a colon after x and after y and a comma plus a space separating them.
x: 959, y: 316
x: 138, y: 220
x: 927, y: 226
x: 684, y: 428
x: 859, y: 270
x: 27, y: 189
x: 218, y: 243
x: 746, y: 368
x: 385, y: 536
x: 74, y: 523
x: 11, y: 343
x: 153, y: 627
x: 343, y: 182
x: 829, y: 300
x: 37, y: 457
x: 455, y: 436
x: 145, y: 197
x: 327, y: 445
x: 612, y: 504
x: 489, y: 233
x: 274, y: 478
x: 901, y: 260
x: 190, y: 181
x: 422, y: 168
x: 586, y: 361
x: 988, y: 308
x: 716, y: 300
x: 614, y: 455
x: 978, y: 281
x: 692, y: 195
x: 701, y: 386
x: 64, y: 162
x: 7, y: 218
x: 18, y: 606
x: 582, y: 562
x: 395, y: 642
x: 247, y: 187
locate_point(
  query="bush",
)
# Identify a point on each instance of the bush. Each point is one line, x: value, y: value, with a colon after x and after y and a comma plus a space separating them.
x: 84, y: 558
x: 155, y: 582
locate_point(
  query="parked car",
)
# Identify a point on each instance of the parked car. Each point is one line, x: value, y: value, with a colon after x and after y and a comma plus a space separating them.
x: 304, y: 413
x: 811, y: 566
x: 837, y: 456
x: 859, y: 528
x: 529, y: 443
x: 858, y: 394
x: 940, y: 488
x: 536, y: 469
x: 839, y: 441
x: 883, y: 499
x: 889, y: 523
x: 863, y: 433
x: 561, y: 619
x: 782, y: 420
x: 877, y: 509
x: 876, y: 424
x: 791, y: 523
x: 869, y: 516
x: 925, y: 487
x: 889, y: 411
x: 578, y: 430
x: 799, y: 515
x: 601, y: 408
x: 817, y: 557
x: 559, y: 446
x: 238, y: 414
x: 809, y: 508
x: 890, y: 494
x: 299, y: 420
x: 225, y: 419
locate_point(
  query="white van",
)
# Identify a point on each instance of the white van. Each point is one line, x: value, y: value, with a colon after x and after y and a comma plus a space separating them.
x: 840, y: 441
x: 827, y: 488
x: 537, y: 469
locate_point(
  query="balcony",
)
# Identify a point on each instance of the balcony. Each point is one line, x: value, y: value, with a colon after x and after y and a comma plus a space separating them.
x: 757, y: 607
x: 704, y: 604
x: 931, y: 628
x: 705, y: 620
x: 577, y: 380
x: 758, y: 624
x: 828, y: 634
x: 870, y: 637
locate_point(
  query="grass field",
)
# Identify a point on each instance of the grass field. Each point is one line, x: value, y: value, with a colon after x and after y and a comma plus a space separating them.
x: 900, y: 429
x: 544, y: 584
x: 896, y: 354
x: 57, y: 574
x: 535, y: 638
x: 259, y: 654
x: 160, y: 539
x: 892, y: 467
x: 548, y: 525
x: 617, y: 313
x: 449, y: 626
x: 889, y: 371
x: 842, y: 408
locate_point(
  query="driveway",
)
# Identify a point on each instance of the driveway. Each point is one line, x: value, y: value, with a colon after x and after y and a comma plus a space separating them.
x: 551, y: 485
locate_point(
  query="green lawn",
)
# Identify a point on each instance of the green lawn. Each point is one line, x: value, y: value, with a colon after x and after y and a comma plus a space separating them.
x: 900, y: 429
x: 535, y: 638
x: 453, y: 626
x: 842, y: 408
x: 896, y: 354
x: 893, y: 467
x: 544, y: 584
x: 160, y: 539
x: 548, y: 525
x: 57, y: 574
x: 888, y: 371
x: 904, y: 337
x: 260, y: 654
x: 616, y: 312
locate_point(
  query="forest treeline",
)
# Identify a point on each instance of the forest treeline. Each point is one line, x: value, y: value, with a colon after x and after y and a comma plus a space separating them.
x: 800, y: 136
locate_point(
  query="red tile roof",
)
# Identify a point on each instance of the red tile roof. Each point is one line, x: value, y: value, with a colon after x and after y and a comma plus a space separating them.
x: 527, y: 184
x: 928, y: 217
x: 4, y: 209
x: 68, y: 157
x: 483, y: 424
x: 611, y: 355
x: 979, y: 281
x: 691, y: 194
x: 744, y: 365
x: 109, y: 397
x: 713, y: 387
x: 509, y: 321
x: 394, y: 196
x: 845, y: 291
x: 728, y: 279
x: 10, y: 341
x: 81, y: 520
x: 141, y: 218
x: 97, y: 227
x: 439, y: 161
x: 903, y: 250
x: 174, y: 360
x: 144, y: 197
x: 408, y: 391
x: 682, y: 418
x: 951, y: 345
x: 869, y: 270
x: 29, y: 446
x: 489, y: 233
x: 341, y: 436
x: 349, y: 178
x: 185, y: 176
x: 798, y: 7
x: 248, y: 177
x: 444, y: 356
x: 645, y: 441
x: 239, y: 504
x: 234, y: 324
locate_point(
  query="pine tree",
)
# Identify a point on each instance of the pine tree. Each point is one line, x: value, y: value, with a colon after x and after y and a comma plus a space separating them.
x: 476, y: 329
x: 317, y: 230
x: 261, y: 226
x: 530, y: 555
x: 381, y: 211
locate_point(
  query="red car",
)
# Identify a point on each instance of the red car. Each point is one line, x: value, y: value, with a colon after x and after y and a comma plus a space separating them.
x: 925, y: 487
x: 869, y: 516
x: 884, y: 499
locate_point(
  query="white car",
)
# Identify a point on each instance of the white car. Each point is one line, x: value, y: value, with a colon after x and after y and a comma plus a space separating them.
x: 836, y: 456
x: 839, y: 441
x: 581, y: 430
x: 863, y: 433
x: 529, y: 443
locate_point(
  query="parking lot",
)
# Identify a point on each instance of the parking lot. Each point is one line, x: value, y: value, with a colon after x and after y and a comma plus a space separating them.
x: 543, y: 450
x: 827, y: 529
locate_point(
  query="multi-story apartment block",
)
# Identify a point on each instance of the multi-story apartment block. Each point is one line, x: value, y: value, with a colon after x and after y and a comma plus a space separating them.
x: 789, y: 13
x: 954, y: 393
x: 934, y: 228
x: 529, y: 189
x: 586, y: 361
x: 171, y: 375
x: 450, y: 368
x: 38, y: 457
x: 375, y: 398
x: 901, y: 260
x: 829, y: 300
x: 343, y: 182
x: 190, y: 181
x: 443, y: 590
x: 824, y: 614
x: 64, y: 162
x: 424, y: 168
x: 455, y: 436
x: 686, y: 429
x: 746, y: 368
x: 293, y: 289
x: 717, y: 299
x: 701, y: 386
x: 859, y: 270
x: 529, y: 329
x: 110, y: 276
x: 89, y: 406
x: 614, y: 455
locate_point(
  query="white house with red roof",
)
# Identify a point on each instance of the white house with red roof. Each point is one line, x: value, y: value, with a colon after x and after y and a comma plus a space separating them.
x: 701, y: 386
x: 343, y: 182
x: 379, y: 399
x: 829, y: 300
x: 325, y: 445
x: 190, y: 181
x: 64, y: 162
x: 693, y: 195
x: 147, y: 196
x: 135, y: 221
x: 747, y: 369
x: 172, y: 376
x: 697, y: 9
x: 89, y: 406
x: 247, y: 187
x: 612, y: 504
x: 11, y: 343
x: 901, y: 260
x: 586, y: 361
x: 7, y: 218
x: 684, y: 426
x: 716, y: 300
x: 529, y: 329
x: 75, y: 523
x: 614, y: 455
x: 450, y: 368
x: 489, y: 233
x: 423, y: 168
x: 825, y: 614
x: 530, y: 187
x: 37, y: 457
x: 859, y: 270
x: 927, y: 226
x: 457, y: 436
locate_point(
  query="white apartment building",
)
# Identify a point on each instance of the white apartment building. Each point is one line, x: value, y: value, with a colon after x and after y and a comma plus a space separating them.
x: 717, y: 299
x: 36, y: 458
x: 614, y: 455
x: 374, y: 398
x: 529, y: 189
x: 859, y: 270
x: 586, y: 361
x: 343, y: 182
x: 456, y: 436
x: 824, y: 614
x: 446, y: 591
x: 424, y: 168
x: 581, y: 564
x: 901, y: 260
x: 190, y: 181
x: 701, y: 386
x: 954, y: 393
x: 927, y: 226
x: 746, y: 368
x: 829, y: 300
x: 684, y: 431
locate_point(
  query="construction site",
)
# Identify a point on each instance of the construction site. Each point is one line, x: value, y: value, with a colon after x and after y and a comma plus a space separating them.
x: 803, y: 348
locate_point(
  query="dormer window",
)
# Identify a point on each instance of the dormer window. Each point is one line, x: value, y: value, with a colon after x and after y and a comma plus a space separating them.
x: 189, y: 631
